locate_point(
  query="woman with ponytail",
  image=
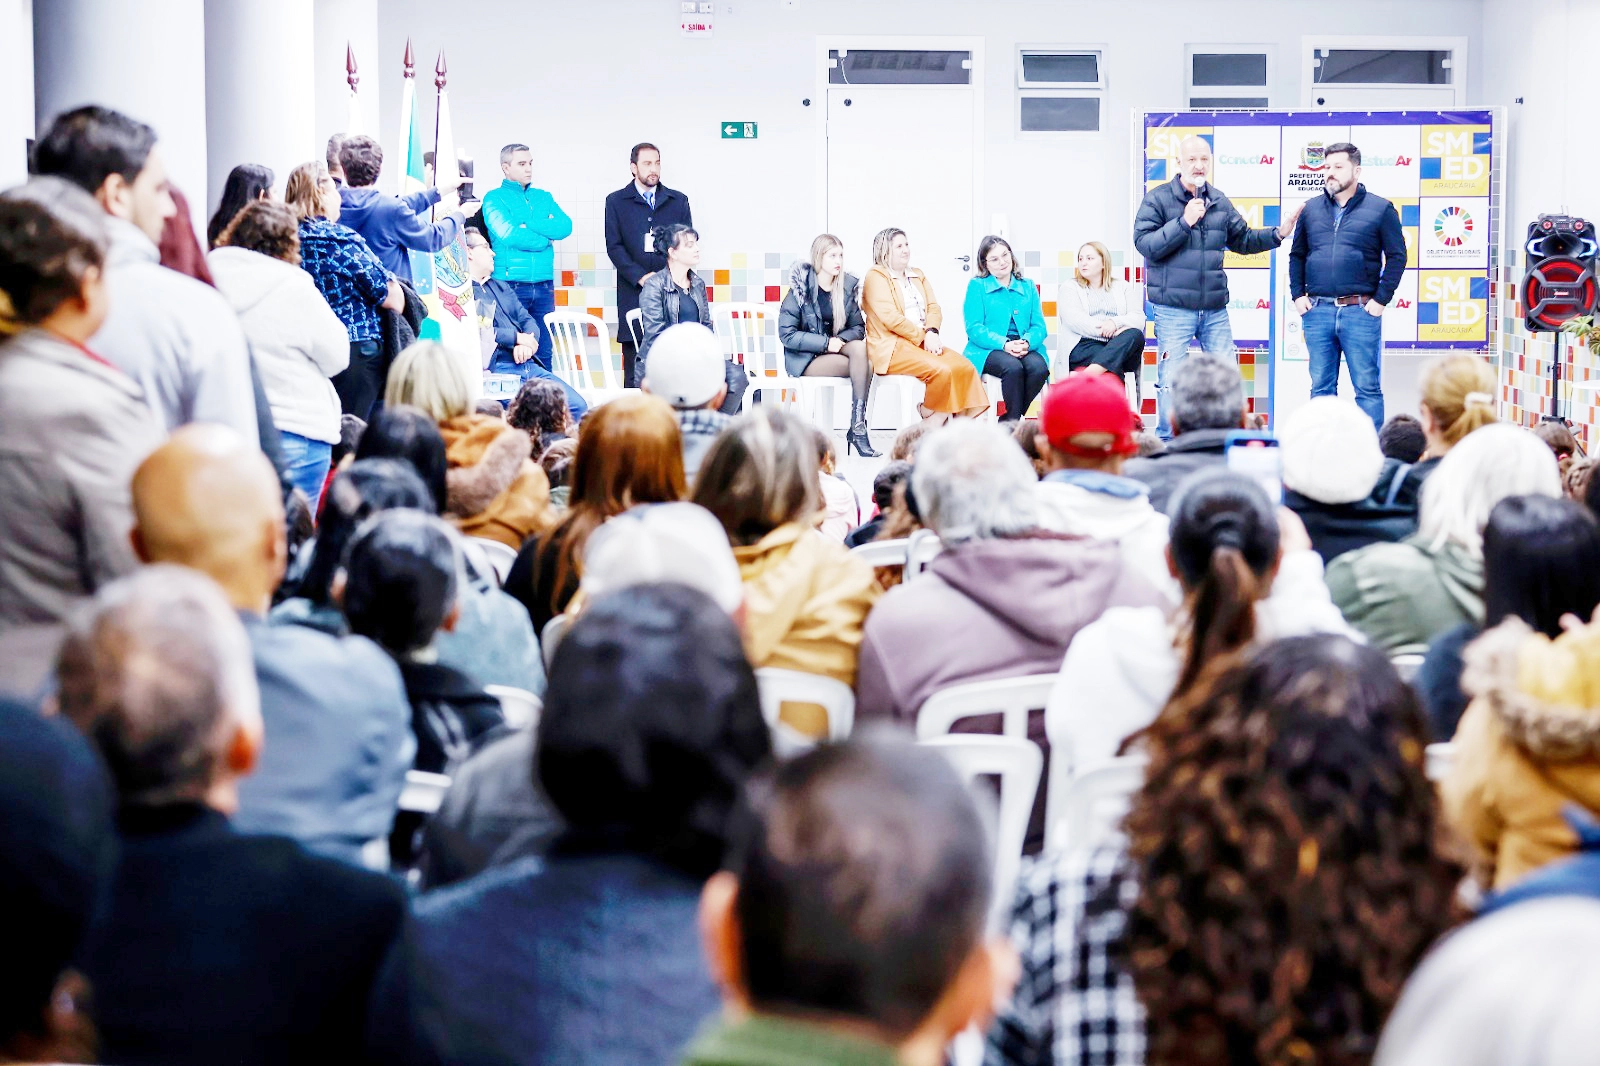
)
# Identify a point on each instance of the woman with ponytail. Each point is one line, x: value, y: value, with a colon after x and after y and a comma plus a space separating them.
x: 1247, y: 572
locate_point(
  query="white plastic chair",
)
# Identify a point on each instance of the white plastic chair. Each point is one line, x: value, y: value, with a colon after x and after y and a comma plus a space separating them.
x: 520, y: 706
x: 549, y: 637
x: 792, y: 686
x: 423, y: 792
x: 577, y: 361
x: 500, y: 556
x: 1013, y: 698
x: 1095, y: 802
x: 1407, y: 666
x: 743, y: 329
x: 922, y: 547
x: 635, y: 321
x: 1018, y: 763
x: 883, y: 552
x: 991, y: 385
x: 910, y: 392
x: 1438, y: 759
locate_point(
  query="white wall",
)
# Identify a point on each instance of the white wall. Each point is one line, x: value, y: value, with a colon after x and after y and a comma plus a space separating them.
x: 352, y: 23
x: 1544, y: 53
x: 582, y: 82
x: 16, y: 88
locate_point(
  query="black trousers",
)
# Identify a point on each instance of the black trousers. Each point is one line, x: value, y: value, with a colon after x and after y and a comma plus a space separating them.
x: 1020, y: 380
x: 360, y: 385
x: 738, y: 381
x: 1121, y: 354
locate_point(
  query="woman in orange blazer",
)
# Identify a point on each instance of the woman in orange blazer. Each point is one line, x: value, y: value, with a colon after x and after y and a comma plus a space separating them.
x: 903, y: 320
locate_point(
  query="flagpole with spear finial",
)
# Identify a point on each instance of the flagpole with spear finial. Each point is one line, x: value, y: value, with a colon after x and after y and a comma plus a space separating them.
x: 354, y: 121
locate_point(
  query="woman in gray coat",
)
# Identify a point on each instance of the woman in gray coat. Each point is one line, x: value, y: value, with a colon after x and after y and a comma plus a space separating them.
x: 677, y: 294
x: 822, y: 330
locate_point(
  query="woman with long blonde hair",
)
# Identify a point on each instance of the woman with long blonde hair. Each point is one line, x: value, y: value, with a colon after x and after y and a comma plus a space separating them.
x: 349, y: 277
x: 822, y: 331
x: 1102, y: 317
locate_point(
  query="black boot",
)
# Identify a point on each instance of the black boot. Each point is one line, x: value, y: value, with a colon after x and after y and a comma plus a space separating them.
x: 857, y: 438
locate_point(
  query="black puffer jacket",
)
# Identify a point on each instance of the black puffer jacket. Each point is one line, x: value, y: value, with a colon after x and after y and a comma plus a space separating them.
x: 1184, y: 263
x: 1361, y: 254
x: 800, y: 318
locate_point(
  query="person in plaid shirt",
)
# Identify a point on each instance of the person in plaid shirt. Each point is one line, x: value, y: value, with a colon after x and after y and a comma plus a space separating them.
x: 350, y: 278
x: 1276, y: 879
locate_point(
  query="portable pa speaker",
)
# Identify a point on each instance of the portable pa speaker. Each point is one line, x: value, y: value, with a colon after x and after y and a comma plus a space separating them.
x: 1560, y: 283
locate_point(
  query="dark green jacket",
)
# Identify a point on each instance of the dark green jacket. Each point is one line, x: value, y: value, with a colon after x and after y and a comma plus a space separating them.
x: 762, y: 1040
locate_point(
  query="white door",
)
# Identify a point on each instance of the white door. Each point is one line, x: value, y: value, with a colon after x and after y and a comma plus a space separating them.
x: 902, y: 156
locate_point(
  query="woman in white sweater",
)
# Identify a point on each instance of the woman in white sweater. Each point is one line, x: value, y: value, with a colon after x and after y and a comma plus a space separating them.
x: 1102, y: 318
x: 296, y: 340
x: 1247, y: 572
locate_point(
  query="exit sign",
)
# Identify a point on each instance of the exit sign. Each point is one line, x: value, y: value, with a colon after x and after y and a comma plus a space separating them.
x: 738, y: 131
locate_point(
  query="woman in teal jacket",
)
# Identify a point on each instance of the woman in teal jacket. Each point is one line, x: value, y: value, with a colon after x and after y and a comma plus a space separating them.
x: 1005, y: 327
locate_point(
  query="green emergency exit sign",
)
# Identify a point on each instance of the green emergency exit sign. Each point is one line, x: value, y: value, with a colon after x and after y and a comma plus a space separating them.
x: 738, y: 131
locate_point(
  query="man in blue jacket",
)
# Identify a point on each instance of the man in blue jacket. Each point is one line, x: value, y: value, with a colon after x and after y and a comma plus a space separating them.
x: 393, y: 225
x: 515, y: 342
x: 1183, y: 229
x: 1344, y: 267
x: 524, y: 223
x: 631, y: 212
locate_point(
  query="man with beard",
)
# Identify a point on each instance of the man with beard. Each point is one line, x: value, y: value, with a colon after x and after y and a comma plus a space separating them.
x: 1343, y: 270
x: 631, y: 213
x: 1183, y: 229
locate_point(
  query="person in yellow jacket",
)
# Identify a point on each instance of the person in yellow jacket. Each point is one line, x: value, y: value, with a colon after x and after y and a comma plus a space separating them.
x: 1528, y: 746
x: 805, y: 596
x: 903, y: 320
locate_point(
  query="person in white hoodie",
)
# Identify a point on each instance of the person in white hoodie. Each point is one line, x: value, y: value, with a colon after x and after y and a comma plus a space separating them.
x: 1086, y: 432
x: 298, y: 341
x: 1247, y: 572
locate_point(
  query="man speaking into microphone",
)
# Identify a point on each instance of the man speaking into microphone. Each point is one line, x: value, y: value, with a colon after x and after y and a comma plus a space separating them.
x: 1182, y: 230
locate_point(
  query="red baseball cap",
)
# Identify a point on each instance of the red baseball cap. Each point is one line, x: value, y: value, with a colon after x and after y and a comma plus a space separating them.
x: 1089, y: 403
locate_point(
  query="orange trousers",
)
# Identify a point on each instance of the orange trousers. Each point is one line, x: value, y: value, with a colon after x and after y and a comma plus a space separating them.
x: 951, y: 383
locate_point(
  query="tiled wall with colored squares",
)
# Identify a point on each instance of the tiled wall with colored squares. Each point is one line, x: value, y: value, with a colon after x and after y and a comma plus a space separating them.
x: 1524, y: 362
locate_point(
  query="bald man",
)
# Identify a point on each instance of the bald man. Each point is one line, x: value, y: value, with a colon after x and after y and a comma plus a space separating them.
x: 1183, y: 228
x: 338, y: 726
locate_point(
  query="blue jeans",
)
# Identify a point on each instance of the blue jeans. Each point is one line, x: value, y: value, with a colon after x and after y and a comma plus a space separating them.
x: 1331, y: 329
x: 503, y: 363
x: 308, y: 462
x: 1175, y: 328
x: 538, y: 299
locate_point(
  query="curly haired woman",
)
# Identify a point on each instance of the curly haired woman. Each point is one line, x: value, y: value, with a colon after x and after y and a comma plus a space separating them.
x: 1277, y: 881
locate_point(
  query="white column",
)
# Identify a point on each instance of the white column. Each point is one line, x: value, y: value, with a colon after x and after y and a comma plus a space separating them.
x: 146, y: 58
x: 16, y: 89
x: 259, y: 99
x: 352, y: 23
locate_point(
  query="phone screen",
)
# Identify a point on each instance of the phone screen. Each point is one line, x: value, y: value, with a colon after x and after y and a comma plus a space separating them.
x: 1256, y: 456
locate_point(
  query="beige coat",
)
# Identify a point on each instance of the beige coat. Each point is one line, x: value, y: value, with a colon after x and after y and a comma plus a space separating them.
x: 494, y: 489
x: 72, y: 431
x: 805, y: 600
x: 1528, y: 746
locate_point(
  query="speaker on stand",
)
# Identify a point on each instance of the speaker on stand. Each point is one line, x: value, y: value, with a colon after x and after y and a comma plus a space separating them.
x: 1559, y: 284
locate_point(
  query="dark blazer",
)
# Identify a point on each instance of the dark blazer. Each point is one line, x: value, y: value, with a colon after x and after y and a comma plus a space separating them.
x: 1362, y: 254
x: 1184, y: 263
x: 510, y: 317
x: 221, y: 947
x: 628, y: 219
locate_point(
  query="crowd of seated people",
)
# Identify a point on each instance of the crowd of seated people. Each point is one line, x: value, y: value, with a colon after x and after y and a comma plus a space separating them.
x: 244, y: 626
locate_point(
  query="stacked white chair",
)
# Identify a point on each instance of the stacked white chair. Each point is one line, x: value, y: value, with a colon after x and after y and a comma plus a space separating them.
x: 500, y: 556
x: 749, y: 333
x: 635, y: 323
x: 1095, y: 802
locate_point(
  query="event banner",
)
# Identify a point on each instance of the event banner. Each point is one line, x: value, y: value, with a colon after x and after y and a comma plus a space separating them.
x: 1434, y: 166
